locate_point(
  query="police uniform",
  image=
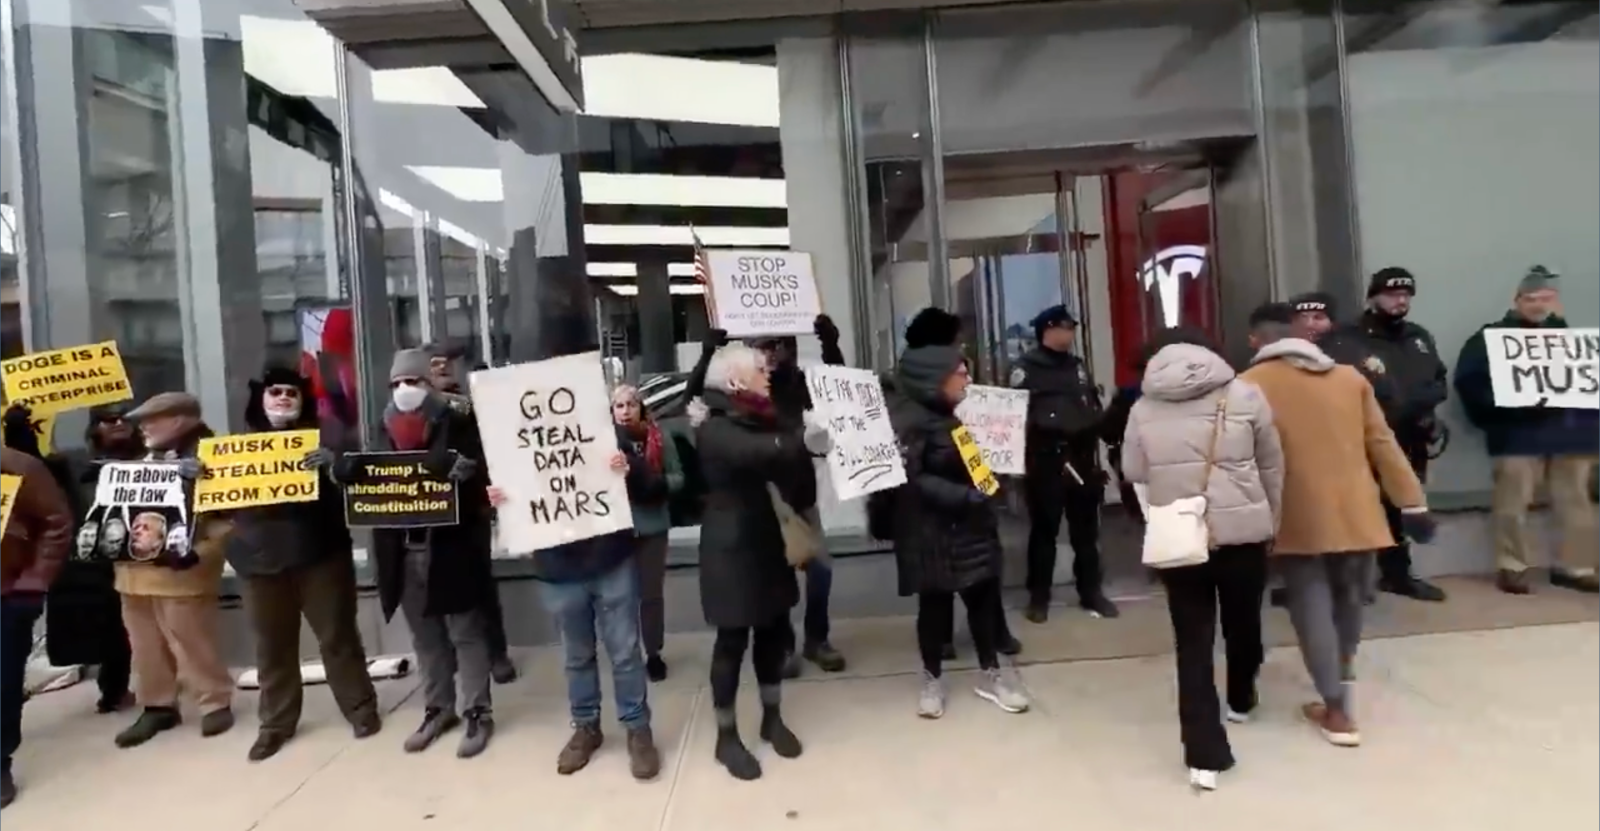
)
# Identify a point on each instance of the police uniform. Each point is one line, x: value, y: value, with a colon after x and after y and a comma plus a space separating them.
x: 1063, y: 478
x: 1351, y: 350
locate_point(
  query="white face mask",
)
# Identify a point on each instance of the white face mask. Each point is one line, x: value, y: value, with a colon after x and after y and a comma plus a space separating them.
x: 409, y: 398
x: 279, y: 418
x: 280, y: 409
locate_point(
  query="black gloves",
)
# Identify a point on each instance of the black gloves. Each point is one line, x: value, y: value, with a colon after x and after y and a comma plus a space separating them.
x: 1418, y: 526
x: 18, y: 428
x: 825, y: 329
x: 715, y: 339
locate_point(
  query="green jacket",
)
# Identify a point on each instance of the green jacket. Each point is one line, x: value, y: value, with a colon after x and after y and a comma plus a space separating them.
x: 654, y: 516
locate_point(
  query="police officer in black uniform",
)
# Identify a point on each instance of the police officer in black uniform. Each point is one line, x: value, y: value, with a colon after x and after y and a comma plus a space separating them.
x: 1404, y: 355
x: 1063, y: 476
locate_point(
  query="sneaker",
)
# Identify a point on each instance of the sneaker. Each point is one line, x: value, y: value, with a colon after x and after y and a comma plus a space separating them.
x: 1513, y: 582
x: 502, y: 671
x: 8, y: 789
x: 930, y: 702
x: 644, y: 760
x: 216, y: 722
x: 1586, y: 583
x: 1099, y: 606
x: 791, y: 667
x: 655, y: 668
x: 1414, y: 588
x: 267, y: 746
x: 586, y: 739
x: 1037, y: 610
x: 151, y: 722
x: 1003, y: 689
x: 435, y: 723
x: 1236, y: 717
x: 480, y: 729
x: 1336, y: 726
x: 1202, y: 780
x: 824, y: 656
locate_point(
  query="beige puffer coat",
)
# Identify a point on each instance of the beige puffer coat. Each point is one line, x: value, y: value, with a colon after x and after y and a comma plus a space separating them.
x: 1170, y: 432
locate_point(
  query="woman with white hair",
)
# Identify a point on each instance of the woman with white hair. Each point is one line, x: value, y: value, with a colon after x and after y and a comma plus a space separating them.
x: 747, y: 586
x: 652, y: 517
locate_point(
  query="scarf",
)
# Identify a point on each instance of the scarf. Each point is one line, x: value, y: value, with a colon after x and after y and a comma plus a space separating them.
x: 649, y: 435
x: 759, y: 407
x: 407, y: 431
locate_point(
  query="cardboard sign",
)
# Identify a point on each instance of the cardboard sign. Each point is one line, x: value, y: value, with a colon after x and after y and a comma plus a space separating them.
x: 256, y: 469
x: 1544, y: 367
x: 140, y: 514
x: 67, y: 379
x: 763, y: 292
x: 549, y: 438
x: 863, y: 456
x: 9, y: 485
x: 972, y: 456
x: 998, y: 419
x: 396, y: 490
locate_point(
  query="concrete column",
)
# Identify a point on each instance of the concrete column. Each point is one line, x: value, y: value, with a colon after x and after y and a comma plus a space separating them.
x: 657, y: 346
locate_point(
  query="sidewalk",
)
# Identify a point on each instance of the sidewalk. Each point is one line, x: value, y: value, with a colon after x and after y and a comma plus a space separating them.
x: 1465, y: 730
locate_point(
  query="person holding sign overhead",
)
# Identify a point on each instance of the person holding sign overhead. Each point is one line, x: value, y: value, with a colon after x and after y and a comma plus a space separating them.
x: 946, y: 534
x: 438, y: 576
x: 1530, y: 445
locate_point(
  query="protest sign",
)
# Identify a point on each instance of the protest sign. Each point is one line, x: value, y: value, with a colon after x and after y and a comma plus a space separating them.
x: 140, y: 514
x: 1544, y: 367
x: 972, y: 456
x: 863, y: 457
x: 548, y: 436
x: 256, y: 469
x: 9, y: 485
x: 397, y: 490
x: 67, y: 379
x: 998, y: 418
x: 763, y: 292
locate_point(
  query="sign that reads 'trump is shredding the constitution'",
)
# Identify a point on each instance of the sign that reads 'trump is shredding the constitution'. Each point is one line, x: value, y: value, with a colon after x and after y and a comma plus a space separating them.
x: 1544, y: 367
x: 397, y: 490
x: 763, y: 292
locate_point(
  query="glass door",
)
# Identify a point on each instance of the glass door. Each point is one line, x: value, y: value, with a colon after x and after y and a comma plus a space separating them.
x: 1176, y: 255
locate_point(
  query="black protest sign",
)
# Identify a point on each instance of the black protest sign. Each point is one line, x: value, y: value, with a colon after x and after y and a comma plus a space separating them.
x: 397, y: 490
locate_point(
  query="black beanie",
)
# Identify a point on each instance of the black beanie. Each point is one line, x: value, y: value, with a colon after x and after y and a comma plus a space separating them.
x: 1313, y: 301
x: 1392, y: 278
x: 933, y: 326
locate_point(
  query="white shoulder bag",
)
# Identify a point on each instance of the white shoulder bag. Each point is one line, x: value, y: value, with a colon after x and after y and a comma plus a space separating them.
x: 1177, y: 534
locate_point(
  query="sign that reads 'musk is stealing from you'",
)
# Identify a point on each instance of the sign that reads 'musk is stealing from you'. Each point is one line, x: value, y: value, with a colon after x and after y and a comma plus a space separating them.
x: 548, y: 436
x: 398, y: 490
x: 256, y: 469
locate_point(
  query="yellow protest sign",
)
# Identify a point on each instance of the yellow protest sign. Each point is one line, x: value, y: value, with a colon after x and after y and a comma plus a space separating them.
x: 9, y: 485
x: 972, y: 456
x: 255, y: 469
x: 67, y: 379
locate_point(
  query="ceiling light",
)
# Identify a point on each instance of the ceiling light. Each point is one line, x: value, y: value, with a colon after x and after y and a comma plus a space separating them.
x: 632, y: 269
x: 662, y: 88
x: 631, y: 290
x: 681, y: 235
x: 296, y: 57
x: 486, y: 184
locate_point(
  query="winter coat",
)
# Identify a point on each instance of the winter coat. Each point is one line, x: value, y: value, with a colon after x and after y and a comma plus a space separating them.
x: 84, y: 613
x: 745, y: 578
x: 271, y: 539
x: 207, y: 538
x: 652, y: 504
x: 1170, y: 434
x: 1335, y: 441
x: 588, y: 559
x: 946, y: 535
x: 39, y: 532
x: 1520, y: 431
x: 460, y: 575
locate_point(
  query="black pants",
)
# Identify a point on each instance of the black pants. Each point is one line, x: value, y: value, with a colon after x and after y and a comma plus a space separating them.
x: 1052, y: 495
x: 936, y: 612
x: 495, y: 625
x: 115, y: 672
x: 18, y: 613
x: 1233, y: 579
x: 1394, y: 563
x: 767, y: 644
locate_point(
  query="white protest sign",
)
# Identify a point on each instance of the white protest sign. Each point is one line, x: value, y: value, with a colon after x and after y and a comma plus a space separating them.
x: 763, y: 292
x: 140, y: 483
x: 1544, y: 367
x: 998, y: 419
x: 864, y: 457
x: 548, y: 438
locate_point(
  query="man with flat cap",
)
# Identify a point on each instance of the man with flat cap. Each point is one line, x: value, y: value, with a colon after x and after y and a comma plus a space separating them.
x: 1063, y: 478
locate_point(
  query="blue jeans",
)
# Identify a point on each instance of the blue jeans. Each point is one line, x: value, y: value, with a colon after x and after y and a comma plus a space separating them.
x: 819, y: 586
x: 604, y: 608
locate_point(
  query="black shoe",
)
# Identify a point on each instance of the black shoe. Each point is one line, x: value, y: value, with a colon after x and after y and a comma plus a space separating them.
x: 502, y: 670
x: 216, y: 722
x: 824, y: 656
x: 947, y: 652
x: 1586, y: 583
x: 1513, y: 582
x: 774, y: 732
x: 153, y: 721
x: 267, y: 745
x: 655, y: 668
x: 367, y: 726
x: 791, y: 667
x: 8, y: 789
x: 1278, y: 597
x: 1098, y: 605
x: 1037, y: 611
x: 1413, y: 588
x: 113, y: 703
x: 733, y: 755
x: 1010, y: 646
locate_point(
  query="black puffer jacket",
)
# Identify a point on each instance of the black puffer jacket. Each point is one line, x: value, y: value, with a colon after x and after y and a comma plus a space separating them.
x: 272, y: 539
x: 946, y: 535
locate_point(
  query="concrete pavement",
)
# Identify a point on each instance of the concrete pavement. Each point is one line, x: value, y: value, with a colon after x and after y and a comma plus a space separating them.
x: 1470, y: 730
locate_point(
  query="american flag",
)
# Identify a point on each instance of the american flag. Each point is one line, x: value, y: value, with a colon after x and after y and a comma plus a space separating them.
x: 702, y: 273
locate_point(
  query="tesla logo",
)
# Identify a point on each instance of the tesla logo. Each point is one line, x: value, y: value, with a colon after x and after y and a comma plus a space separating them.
x: 1163, y: 272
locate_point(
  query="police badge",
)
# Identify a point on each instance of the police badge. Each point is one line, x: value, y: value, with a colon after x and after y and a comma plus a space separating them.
x: 1373, y: 365
x: 1422, y: 346
x: 1019, y: 376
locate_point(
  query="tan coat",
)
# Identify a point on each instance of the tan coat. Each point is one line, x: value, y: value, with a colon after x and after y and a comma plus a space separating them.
x: 1335, y: 441
x: 203, y: 580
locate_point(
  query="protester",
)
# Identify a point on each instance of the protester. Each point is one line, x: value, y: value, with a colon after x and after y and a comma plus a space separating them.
x: 439, y: 577
x: 296, y: 560
x: 946, y: 535
x: 1196, y: 430
x: 170, y: 607
x: 1533, y: 445
x: 652, y: 517
x: 592, y: 589
x: 37, y: 540
x: 747, y: 586
x: 1063, y: 478
x: 1340, y: 458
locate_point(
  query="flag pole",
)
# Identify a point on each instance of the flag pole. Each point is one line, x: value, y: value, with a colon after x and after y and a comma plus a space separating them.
x: 702, y: 275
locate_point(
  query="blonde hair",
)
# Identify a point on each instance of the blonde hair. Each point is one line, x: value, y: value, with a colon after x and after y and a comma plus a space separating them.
x: 627, y: 392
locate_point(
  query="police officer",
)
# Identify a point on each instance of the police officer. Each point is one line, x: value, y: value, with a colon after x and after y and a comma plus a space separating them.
x: 1063, y: 476
x: 1404, y: 355
x: 1314, y: 317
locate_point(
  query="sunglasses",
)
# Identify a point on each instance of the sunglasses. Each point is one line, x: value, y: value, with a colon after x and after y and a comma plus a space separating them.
x: 283, y: 391
x: 405, y: 382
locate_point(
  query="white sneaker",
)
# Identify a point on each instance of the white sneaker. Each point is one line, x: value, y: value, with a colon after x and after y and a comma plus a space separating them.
x: 930, y: 703
x: 1202, y: 780
x: 1235, y: 717
x: 1003, y: 688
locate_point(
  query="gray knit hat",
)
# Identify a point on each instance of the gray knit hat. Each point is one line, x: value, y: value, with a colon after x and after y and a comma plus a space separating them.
x: 410, y: 363
x: 1538, y: 278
